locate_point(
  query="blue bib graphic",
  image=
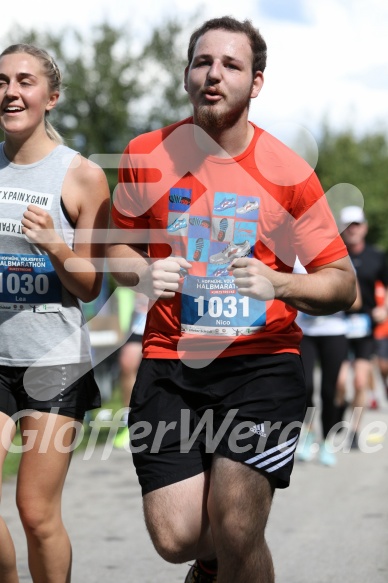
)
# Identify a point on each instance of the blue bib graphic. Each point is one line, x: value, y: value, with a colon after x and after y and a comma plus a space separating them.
x: 29, y: 282
x: 212, y: 306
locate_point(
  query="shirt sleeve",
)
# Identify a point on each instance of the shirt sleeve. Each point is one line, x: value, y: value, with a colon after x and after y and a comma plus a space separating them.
x: 316, y: 238
x: 130, y: 209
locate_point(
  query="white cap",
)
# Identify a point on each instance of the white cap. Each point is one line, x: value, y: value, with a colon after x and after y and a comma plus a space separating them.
x: 352, y: 214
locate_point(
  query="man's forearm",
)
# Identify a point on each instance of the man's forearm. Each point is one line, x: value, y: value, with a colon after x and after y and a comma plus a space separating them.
x: 127, y: 264
x: 324, y: 292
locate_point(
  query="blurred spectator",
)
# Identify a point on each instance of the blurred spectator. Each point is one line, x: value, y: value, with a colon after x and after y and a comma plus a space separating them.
x: 381, y: 336
x: 129, y: 359
x: 371, y: 266
x: 324, y: 341
x: 106, y: 336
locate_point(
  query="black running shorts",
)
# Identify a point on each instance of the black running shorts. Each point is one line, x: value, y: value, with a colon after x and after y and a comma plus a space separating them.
x: 362, y: 348
x: 381, y: 348
x: 247, y: 408
x: 68, y: 390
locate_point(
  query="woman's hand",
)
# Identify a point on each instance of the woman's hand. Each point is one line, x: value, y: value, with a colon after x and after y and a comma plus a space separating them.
x: 38, y: 226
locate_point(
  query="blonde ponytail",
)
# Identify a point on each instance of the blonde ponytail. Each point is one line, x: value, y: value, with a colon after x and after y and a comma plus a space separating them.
x: 52, y: 132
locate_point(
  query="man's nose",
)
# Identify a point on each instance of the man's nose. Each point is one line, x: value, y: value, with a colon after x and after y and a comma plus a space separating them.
x: 214, y: 72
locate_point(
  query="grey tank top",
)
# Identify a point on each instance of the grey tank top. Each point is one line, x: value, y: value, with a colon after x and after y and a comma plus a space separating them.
x: 41, y: 323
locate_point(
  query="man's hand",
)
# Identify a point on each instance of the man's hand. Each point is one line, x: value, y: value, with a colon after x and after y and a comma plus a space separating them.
x: 253, y: 278
x: 162, y: 279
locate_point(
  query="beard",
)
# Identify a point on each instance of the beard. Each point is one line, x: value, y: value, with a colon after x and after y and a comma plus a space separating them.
x: 210, y: 117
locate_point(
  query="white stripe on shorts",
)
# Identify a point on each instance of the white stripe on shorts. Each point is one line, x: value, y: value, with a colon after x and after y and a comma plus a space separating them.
x: 273, y: 450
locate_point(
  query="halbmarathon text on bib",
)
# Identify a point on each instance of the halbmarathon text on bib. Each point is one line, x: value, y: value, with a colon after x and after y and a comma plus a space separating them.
x: 213, y: 307
x: 29, y: 282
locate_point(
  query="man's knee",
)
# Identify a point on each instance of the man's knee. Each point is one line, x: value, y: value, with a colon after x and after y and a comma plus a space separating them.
x: 171, y: 550
x: 238, y: 515
x: 171, y: 544
x: 170, y: 533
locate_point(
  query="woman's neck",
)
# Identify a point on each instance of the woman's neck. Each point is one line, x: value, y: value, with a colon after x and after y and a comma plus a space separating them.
x: 28, y: 151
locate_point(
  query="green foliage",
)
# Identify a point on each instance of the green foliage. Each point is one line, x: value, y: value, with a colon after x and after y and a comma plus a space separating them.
x: 12, y: 461
x: 169, y: 100
x: 362, y: 162
x: 113, y: 91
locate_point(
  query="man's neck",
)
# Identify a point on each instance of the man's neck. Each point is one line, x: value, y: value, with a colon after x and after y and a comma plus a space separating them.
x: 228, y: 142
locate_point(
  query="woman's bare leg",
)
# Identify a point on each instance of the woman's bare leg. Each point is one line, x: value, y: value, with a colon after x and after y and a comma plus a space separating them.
x: 41, y: 479
x: 8, y: 571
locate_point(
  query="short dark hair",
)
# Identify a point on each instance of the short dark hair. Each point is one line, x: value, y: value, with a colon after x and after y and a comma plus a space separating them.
x: 258, y: 45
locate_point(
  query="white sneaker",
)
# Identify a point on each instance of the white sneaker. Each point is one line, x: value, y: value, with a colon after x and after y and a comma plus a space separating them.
x: 306, y: 447
x: 232, y: 251
x: 250, y: 205
x: 327, y: 457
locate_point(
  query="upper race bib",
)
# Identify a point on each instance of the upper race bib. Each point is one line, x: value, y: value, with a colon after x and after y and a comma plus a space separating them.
x: 213, y: 306
x: 29, y: 283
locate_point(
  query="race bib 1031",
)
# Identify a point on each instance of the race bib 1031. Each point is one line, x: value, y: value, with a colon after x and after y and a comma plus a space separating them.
x: 212, y: 306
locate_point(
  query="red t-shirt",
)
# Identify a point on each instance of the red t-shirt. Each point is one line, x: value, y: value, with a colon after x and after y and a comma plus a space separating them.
x: 265, y: 203
x: 381, y: 330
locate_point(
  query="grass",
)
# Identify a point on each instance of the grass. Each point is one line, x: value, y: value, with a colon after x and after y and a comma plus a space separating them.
x: 11, y: 464
x: 12, y: 461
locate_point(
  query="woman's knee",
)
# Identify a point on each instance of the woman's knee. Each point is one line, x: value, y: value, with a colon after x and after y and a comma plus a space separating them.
x: 37, y: 519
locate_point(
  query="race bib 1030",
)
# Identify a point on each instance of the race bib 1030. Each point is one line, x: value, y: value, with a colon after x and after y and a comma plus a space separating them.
x: 30, y: 283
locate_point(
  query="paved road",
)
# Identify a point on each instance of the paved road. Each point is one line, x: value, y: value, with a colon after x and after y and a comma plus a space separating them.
x: 330, y: 526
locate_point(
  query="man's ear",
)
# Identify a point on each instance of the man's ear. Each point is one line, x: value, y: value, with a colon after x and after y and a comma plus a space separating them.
x: 258, y: 82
